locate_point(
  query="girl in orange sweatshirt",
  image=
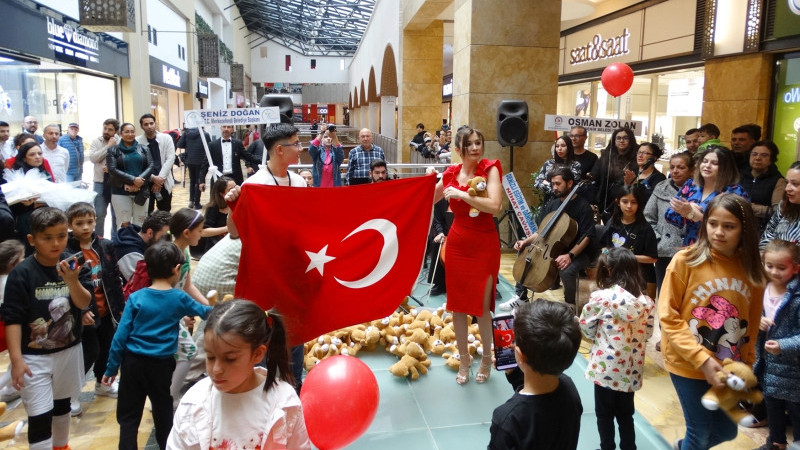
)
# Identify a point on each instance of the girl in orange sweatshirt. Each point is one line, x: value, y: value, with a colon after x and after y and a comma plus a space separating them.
x: 710, y: 309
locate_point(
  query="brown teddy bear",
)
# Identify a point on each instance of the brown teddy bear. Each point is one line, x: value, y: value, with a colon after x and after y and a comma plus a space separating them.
x: 477, y: 188
x: 739, y: 384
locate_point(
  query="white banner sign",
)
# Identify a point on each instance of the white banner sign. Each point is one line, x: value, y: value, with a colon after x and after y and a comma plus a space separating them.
x: 517, y: 200
x: 239, y: 116
x: 564, y: 123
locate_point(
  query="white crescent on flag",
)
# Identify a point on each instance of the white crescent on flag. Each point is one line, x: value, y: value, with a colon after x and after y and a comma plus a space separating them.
x: 388, y: 256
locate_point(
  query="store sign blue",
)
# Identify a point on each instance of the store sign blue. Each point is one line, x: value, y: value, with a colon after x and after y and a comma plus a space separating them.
x: 69, y: 43
x: 51, y: 38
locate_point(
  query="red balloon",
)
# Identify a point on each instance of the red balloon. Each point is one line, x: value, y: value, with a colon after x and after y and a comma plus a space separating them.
x: 617, y: 78
x: 340, y: 399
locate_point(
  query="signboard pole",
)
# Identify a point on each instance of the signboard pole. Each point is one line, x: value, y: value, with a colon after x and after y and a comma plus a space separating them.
x: 240, y: 116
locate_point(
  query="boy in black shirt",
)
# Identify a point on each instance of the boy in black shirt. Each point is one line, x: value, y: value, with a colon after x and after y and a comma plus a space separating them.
x: 44, y: 297
x: 546, y: 412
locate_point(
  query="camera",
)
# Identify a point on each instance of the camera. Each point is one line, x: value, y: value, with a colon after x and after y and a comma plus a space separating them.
x: 331, y: 127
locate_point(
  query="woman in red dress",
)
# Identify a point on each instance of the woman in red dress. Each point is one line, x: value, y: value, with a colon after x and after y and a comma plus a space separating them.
x: 473, y: 247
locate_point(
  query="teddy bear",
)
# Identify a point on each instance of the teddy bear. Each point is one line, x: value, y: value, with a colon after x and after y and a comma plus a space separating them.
x: 11, y: 430
x: 738, y: 387
x: 477, y: 188
x: 408, y: 365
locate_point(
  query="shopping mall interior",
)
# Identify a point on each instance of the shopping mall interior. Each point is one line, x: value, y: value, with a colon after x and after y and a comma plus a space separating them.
x: 505, y: 67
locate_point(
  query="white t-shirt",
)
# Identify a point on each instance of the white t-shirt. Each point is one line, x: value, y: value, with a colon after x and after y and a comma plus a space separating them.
x: 209, y: 419
x: 59, y: 162
x: 264, y: 177
x: 8, y: 149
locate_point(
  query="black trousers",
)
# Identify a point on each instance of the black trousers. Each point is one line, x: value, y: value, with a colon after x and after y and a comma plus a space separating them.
x: 777, y: 419
x: 165, y: 204
x: 661, y: 270
x: 142, y: 377
x: 608, y: 405
x: 96, y: 342
x: 194, y: 183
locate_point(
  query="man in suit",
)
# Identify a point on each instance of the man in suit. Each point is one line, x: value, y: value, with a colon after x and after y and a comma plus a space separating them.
x: 162, y: 150
x: 227, y: 154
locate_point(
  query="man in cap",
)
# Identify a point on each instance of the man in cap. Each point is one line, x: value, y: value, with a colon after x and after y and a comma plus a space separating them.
x: 74, y: 145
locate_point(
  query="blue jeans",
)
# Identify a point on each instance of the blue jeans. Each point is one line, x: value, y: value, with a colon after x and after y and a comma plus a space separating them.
x: 704, y: 428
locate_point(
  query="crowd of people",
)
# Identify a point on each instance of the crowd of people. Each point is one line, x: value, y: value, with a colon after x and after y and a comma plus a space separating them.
x: 704, y: 257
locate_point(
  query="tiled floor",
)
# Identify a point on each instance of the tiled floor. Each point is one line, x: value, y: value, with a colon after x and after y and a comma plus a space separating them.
x: 432, y: 412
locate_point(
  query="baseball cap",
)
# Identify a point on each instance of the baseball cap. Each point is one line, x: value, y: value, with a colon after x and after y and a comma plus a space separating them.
x: 73, y: 124
x: 427, y: 139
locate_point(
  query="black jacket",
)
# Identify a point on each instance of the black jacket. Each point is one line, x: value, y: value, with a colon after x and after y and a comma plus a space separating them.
x: 608, y: 174
x: 115, y: 163
x: 254, y: 153
x: 238, y: 154
x: 191, y: 141
x: 761, y: 187
x: 111, y: 278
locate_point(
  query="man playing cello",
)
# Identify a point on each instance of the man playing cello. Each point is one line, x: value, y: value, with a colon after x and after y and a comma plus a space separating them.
x: 576, y: 258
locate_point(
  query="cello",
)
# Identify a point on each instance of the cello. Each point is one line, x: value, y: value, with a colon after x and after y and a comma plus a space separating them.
x: 535, y: 267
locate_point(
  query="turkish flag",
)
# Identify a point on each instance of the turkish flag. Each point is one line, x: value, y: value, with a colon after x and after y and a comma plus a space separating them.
x: 328, y: 258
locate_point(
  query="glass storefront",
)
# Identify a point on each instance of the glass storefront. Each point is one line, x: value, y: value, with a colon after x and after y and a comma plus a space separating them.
x: 786, y: 113
x: 167, y: 106
x: 667, y: 104
x: 54, y: 95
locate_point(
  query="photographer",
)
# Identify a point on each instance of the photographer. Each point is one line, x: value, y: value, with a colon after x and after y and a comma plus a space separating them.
x: 327, y: 156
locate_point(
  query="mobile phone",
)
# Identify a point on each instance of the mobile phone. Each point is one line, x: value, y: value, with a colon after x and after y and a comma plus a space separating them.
x: 76, y: 260
x: 331, y: 127
x: 503, y: 334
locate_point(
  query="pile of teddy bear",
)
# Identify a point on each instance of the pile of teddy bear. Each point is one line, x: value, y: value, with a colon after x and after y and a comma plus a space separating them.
x: 411, y: 336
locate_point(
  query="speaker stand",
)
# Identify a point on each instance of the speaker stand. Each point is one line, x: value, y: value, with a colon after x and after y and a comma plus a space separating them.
x: 509, y: 215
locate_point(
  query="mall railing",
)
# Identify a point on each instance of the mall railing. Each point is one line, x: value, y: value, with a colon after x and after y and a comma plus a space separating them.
x: 395, y: 170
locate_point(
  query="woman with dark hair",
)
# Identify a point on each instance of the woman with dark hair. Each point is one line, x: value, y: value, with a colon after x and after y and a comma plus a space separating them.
x: 563, y: 155
x: 762, y: 180
x: 629, y: 229
x: 616, y: 160
x: 648, y: 177
x: 29, y: 157
x: 215, y: 226
x: 18, y: 162
x: 785, y: 221
x: 715, y: 174
x: 129, y: 165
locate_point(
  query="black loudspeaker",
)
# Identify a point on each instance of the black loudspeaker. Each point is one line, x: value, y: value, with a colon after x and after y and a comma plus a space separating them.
x: 284, y: 104
x: 512, y: 123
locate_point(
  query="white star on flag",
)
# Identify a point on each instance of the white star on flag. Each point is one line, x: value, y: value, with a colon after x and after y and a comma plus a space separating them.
x: 318, y: 260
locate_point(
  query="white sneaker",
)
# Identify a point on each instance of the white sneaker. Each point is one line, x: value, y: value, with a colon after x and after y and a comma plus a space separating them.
x: 107, y: 391
x: 75, y: 408
x: 512, y: 304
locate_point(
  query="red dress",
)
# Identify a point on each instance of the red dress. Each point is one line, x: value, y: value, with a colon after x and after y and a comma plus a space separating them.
x: 472, y: 253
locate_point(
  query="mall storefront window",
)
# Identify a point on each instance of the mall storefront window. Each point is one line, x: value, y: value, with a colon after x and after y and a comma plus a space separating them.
x: 667, y: 92
x: 56, y: 71
x: 667, y: 104
x: 54, y: 94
